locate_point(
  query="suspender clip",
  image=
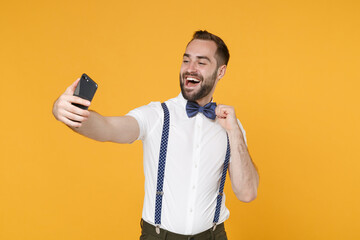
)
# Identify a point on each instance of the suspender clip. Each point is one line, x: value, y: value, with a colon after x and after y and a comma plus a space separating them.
x: 214, y: 227
x: 157, y: 229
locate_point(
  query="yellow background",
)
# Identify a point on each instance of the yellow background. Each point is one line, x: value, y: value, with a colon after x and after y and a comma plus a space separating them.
x: 293, y: 78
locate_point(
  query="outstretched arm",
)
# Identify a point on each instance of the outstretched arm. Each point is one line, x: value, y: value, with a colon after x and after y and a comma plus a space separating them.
x: 123, y: 129
x: 243, y: 174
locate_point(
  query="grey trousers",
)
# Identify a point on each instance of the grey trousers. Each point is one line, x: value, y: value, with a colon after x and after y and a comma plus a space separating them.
x: 148, y: 233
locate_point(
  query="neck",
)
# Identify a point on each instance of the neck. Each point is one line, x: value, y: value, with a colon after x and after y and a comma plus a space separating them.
x: 203, y: 101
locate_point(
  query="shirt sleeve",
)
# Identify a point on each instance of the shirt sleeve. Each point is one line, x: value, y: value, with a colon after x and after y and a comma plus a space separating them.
x: 146, y: 116
x: 243, y: 131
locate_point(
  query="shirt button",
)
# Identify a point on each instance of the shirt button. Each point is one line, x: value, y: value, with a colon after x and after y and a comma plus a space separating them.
x: 196, y: 165
x: 197, y: 145
x: 193, y: 187
x: 191, y: 210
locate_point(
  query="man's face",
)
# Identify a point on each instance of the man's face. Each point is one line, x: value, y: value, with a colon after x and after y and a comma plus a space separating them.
x: 198, y: 73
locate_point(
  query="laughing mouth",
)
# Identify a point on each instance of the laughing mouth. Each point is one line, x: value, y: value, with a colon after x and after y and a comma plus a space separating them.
x: 191, y: 81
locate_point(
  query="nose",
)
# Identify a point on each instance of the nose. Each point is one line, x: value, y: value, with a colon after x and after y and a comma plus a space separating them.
x: 191, y: 68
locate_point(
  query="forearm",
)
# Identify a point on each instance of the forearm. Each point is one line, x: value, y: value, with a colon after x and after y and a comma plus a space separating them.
x: 123, y: 129
x: 95, y: 127
x: 243, y: 174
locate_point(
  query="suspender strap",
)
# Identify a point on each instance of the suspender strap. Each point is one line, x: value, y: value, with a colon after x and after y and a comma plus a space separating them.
x: 222, y: 183
x: 161, y: 173
x: 161, y: 167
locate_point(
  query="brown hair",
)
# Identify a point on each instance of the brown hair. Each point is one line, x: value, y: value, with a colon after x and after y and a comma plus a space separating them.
x: 222, y: 54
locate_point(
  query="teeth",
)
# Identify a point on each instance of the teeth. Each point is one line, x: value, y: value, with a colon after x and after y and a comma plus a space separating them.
x: 192, y: 79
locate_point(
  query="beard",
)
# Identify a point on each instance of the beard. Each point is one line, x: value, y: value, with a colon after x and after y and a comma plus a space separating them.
x: 206, y: 85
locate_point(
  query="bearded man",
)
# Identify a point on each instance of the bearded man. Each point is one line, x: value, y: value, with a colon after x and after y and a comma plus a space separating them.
x: 189, y: 144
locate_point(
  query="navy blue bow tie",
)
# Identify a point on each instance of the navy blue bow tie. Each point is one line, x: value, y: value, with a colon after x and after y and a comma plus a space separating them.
x: 192, y: 108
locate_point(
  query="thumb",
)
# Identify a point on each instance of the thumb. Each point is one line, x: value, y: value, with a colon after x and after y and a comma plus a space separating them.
x: 71, y: 89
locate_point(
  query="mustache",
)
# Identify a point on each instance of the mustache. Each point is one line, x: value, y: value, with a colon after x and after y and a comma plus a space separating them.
x: 187, y: 74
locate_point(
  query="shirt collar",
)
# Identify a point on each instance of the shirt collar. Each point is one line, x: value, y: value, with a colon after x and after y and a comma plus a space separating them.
x: 183, y: 101
x: 180, y: 98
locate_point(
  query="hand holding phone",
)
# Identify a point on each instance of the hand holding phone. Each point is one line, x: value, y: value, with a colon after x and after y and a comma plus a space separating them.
x: 85, y: 89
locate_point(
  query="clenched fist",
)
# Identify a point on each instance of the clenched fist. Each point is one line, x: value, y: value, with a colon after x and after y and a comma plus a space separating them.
x: 226, y: 117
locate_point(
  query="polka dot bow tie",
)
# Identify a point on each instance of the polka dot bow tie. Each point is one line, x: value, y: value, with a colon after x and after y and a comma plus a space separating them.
x: 192, y: 108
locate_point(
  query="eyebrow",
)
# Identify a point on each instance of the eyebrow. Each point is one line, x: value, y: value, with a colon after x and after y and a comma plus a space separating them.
x: 198, y: 57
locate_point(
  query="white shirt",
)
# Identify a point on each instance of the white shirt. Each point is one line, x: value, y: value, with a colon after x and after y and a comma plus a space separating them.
x: 194, y: 164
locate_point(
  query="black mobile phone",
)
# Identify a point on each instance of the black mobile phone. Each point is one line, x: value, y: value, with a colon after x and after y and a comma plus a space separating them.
x: 85, y: 89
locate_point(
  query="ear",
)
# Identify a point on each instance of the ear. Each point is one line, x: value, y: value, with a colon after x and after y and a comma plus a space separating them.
x: 221, y: 71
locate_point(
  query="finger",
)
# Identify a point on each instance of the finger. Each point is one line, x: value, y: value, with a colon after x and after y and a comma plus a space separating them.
x: 70, y: 122
x: 78, y: 100
x: 220, y: 111
x: 217, y: 109
x: 74, y: 117
x: 64, y: 103
x: 76, y: 110
x: 71, y: 89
